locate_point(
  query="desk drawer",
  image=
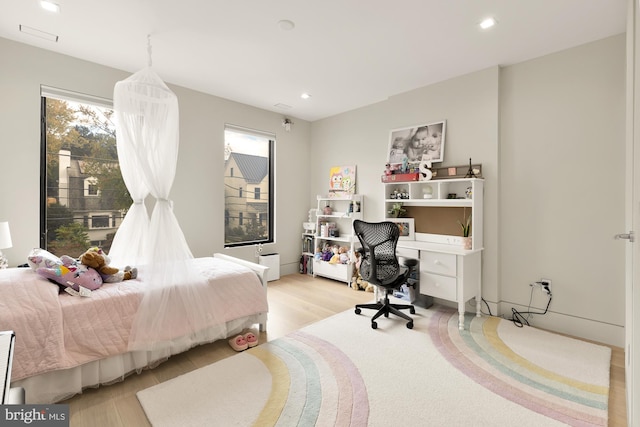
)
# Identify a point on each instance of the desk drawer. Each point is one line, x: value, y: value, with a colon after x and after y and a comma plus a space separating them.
x: 438, y: 286
x: 435, y: 262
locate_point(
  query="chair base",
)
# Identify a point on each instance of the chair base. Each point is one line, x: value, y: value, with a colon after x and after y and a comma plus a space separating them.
x: 385, y: 308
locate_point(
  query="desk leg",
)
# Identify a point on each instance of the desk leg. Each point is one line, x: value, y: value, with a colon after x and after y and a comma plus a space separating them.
x: 461, y: 315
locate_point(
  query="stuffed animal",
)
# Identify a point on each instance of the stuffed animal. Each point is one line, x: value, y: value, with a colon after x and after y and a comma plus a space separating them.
x: 343, y: 253
x: 335, y: 257
x: 73, y: 277
x: 96, y: 258
x: 327, y: 253
x: 357, y: 283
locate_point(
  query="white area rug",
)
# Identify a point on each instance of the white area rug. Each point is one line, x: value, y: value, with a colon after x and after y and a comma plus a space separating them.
x: 340, y: 372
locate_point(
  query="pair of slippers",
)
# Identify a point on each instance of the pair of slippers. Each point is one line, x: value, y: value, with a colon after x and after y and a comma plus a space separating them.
x: 244, y: 341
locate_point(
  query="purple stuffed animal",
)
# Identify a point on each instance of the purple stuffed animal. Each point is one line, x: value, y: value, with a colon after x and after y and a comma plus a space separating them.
x: 72, y: 274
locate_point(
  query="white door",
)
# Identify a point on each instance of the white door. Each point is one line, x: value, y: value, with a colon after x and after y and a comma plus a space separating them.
x: 632, y: 294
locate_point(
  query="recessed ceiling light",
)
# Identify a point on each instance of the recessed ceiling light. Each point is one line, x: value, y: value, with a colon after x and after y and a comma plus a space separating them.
x: 38, y: 33
x: 305, y: 95
x: 286, y: 25
x: 487, y: 23
x: 50, y: 6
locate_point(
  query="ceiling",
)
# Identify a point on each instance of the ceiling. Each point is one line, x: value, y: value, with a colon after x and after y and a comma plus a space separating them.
x: 345, y: 53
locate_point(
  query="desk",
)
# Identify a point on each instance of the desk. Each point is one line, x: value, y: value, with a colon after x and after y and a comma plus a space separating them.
x: 447, y: 272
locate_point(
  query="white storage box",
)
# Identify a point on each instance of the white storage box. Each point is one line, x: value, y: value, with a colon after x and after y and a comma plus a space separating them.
x: 273, y: 262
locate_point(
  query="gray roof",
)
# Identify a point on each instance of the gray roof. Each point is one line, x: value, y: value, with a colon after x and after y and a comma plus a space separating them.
x: 253, y: 168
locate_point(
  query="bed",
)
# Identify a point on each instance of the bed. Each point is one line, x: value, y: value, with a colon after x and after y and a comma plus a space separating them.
x: 67, y: 343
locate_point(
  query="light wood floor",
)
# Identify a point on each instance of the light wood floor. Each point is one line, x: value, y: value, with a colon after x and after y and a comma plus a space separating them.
x: 294, y: 301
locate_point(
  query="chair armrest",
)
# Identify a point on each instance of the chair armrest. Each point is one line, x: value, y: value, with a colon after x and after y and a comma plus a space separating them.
x: 408, y: 262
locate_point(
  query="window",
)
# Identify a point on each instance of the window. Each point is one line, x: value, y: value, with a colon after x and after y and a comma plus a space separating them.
x: 249, y: 160
x: 83, y: 198
x: 99, y: 221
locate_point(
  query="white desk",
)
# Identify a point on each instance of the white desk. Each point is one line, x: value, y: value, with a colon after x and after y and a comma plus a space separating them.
x: 447, y: 272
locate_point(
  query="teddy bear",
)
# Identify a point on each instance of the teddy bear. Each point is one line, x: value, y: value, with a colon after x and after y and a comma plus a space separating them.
x: 96, y: 258
x: 357, y: 282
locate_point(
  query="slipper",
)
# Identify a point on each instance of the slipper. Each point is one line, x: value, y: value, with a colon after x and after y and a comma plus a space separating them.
x: 251, y: 339
x: 238, y: 343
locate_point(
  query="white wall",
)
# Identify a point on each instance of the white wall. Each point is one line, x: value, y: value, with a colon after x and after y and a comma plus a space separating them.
x: 550, y: 136
x: 562, y: 156
x: 197, y: 192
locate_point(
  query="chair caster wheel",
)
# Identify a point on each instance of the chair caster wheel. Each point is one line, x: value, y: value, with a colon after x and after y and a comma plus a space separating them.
x: 358, y: 311
x: 410, y: 325
x: 386, y: 315
x: 374, y: 325
x: 412, y: 310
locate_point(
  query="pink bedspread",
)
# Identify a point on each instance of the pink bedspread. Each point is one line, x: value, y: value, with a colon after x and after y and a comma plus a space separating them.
x: 63, y: 331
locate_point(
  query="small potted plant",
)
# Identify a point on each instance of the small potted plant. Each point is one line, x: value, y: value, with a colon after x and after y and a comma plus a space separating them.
x: 466, y: 228
x: 396, y: 211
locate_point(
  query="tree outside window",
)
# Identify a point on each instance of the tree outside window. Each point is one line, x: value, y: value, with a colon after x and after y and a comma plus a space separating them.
x: 83, y: 195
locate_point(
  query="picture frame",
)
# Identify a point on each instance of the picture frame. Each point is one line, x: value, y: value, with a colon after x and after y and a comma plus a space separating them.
x: 406, y: 226
x: 412, y: 142
x: 342, y: 181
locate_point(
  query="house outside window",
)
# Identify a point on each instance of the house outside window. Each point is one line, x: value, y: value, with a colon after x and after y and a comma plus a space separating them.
x: 83, y: 198
x: 249, y: 160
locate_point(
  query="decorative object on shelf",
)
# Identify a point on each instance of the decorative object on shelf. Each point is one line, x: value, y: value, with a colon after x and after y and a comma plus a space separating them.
x: 456, y: 172
x: 406, y: 227
x: 401, y: 177
x: 468, y: 193
x: 396, y: 211
x: 310, y: 225
x: 387, y: 169
x: 427, y: 193
x: 466, y: 228
x: 414, y: 142
x: 327, y: 210
x: 425, y: 169
x: 399, y: 194
x: 5, y: 243
x: 470, y: 172
x: 342, y: 181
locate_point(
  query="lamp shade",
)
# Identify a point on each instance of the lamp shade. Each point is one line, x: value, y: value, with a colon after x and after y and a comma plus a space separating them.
x: 5, y: 235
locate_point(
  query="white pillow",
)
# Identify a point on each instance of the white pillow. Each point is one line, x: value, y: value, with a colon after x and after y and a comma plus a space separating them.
x: 41, y: 258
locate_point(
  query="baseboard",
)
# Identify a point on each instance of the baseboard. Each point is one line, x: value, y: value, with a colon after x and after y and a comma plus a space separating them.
x: 588, y: 329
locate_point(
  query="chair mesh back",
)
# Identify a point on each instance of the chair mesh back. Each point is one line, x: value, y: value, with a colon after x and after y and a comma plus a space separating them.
x: 383, y: 237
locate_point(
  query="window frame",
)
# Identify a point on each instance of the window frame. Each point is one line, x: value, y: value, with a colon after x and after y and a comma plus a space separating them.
x: 47, y: 92
x: 267, y: 217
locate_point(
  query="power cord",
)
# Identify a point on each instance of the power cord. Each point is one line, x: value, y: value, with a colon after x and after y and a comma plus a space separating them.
x: 517, y: 316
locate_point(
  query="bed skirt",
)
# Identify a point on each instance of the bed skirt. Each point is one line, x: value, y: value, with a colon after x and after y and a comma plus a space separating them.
x: 59, y: 385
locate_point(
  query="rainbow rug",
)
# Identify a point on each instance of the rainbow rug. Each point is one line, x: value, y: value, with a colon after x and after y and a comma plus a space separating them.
x: 340, y: 372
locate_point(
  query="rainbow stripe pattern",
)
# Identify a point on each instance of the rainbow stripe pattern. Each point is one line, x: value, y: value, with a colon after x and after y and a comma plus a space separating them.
x: 313, y: 383
x: 482, y: 354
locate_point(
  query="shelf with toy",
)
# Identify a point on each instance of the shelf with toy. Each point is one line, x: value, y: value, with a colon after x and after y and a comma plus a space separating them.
x: 334, y: 229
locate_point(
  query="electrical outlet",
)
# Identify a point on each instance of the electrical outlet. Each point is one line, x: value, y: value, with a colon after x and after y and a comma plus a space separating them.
x: 546, y: 285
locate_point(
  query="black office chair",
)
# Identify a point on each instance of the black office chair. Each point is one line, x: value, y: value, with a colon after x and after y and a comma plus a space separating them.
x: 381, y: 267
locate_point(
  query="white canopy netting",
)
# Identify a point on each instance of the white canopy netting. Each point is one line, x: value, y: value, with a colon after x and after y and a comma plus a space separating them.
x: 147, y: 134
